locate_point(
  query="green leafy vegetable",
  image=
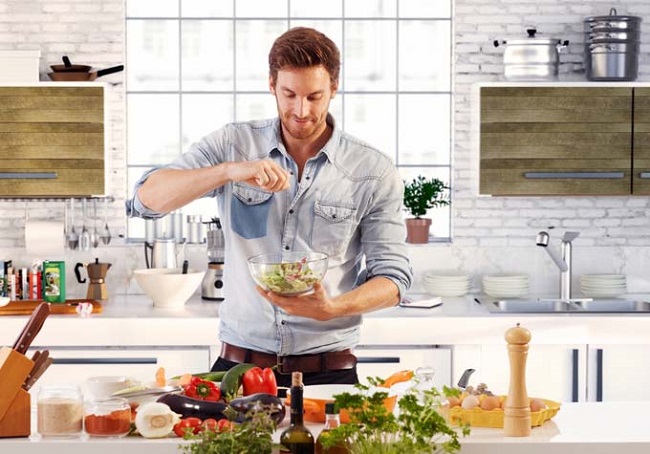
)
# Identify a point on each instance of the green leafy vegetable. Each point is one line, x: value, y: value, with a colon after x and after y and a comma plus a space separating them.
x: 289, y: 278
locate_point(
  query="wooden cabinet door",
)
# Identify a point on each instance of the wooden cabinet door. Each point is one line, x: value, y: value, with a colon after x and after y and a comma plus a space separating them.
x: 555, y: 140
x: 51, y: 141
x: 641, y: 144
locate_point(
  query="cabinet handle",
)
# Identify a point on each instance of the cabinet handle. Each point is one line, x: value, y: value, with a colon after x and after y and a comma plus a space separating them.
x: 105, y: 361
x: 644, y: 175
x: 575, y: 358
x: 599, y: 375
x: 29, y: 175
x: 575, y: 175
x: 378, y: 359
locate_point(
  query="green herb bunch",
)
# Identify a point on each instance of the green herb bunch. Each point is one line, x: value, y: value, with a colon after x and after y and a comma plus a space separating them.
x: 421, y: 194
x: 418, y: 428
x: 252, y: 436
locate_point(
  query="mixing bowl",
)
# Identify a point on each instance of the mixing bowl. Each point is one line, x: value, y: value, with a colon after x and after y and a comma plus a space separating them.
x: 168, y: 287
x: 288, y: 273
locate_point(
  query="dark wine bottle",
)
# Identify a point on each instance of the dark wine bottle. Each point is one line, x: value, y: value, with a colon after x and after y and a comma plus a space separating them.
x: 297, y: 439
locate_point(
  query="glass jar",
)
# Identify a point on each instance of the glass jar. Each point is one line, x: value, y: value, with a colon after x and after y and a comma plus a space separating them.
x: 107, y: 417
x: 423, y: 381
x: 60, y: 411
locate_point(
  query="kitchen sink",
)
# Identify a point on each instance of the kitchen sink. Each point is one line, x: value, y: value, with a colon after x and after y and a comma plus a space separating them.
x: 542, y: 305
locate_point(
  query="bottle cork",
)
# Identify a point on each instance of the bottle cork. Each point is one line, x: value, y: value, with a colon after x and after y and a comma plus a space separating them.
x: 296, y: 379
x: 517, y: 422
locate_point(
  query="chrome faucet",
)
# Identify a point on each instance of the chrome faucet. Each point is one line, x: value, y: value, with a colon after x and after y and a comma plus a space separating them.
x: 562, y: 261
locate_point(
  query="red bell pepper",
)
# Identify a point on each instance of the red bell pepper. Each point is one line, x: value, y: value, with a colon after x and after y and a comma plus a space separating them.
x: 258, y: 380
x: 202, y: 389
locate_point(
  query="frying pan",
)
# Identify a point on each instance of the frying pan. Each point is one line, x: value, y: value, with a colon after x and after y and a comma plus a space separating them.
x: 69, y: 67
x: 83, y: 76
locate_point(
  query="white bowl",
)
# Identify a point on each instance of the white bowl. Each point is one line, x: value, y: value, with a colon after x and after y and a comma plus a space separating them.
x: 101, y: 387
x: 168, y: 287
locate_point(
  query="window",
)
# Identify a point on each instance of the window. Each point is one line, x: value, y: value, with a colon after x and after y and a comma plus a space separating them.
x: 196, y: 65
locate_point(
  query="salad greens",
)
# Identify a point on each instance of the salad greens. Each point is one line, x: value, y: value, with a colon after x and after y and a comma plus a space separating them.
x: 289, y: 278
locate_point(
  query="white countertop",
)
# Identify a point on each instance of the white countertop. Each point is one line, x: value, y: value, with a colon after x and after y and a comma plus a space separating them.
x: 594, y: 428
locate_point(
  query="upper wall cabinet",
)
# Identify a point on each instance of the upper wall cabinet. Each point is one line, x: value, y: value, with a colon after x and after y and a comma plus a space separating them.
x: 52, y: 140
x: 564, y: 140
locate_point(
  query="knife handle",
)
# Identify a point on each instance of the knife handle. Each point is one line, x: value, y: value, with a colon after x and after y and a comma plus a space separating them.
x: 31, y: 329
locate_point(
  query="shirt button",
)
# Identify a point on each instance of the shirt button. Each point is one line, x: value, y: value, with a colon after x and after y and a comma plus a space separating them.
x: 283, y: 322
x: 250, y: 200
x: 307, y: 177
x: 286, y: 248
x: 290, y: 211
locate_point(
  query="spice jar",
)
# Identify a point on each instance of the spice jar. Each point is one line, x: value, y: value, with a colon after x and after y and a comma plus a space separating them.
x: 108, y: 417
x: 60, y: 411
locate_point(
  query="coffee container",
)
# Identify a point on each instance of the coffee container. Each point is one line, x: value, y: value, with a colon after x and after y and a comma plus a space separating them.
x: 54, y: 281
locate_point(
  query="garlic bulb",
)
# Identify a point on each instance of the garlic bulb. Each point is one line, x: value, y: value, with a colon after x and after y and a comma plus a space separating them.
x: 155, y: 420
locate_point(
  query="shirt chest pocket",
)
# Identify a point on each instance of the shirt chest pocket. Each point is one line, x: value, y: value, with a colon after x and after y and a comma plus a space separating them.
x: 249, y: 211
x: 333, y: 227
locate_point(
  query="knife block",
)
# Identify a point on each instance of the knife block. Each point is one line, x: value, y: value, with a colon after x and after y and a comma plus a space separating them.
x: 15, y: 402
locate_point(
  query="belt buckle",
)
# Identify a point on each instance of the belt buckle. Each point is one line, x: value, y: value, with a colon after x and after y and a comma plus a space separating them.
x: 279, y: 362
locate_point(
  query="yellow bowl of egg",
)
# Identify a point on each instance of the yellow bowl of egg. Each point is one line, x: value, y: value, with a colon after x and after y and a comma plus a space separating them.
x: 487, y: 411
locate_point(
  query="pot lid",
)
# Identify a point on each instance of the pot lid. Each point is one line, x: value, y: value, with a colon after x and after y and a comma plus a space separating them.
x: 531, y: 39
x: 613, y: 17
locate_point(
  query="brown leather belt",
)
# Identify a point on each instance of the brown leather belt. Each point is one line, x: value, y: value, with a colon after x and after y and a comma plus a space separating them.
x: 318, y: 362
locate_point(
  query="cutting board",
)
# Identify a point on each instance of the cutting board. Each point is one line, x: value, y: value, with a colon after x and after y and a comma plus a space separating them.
x: 26, y: 307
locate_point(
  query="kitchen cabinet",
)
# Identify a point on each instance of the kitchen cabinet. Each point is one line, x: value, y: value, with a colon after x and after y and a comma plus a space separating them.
x: 547, y: 140
x: 618, y: 373
x: 52, y: 140
x: 384, y: 360
x: 641, y: 143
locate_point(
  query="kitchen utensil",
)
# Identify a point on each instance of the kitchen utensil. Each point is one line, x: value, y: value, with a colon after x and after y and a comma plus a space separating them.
x: 106, y: 233
x: 186, y: 264
x: 532, y: 58
x: 38, y: 358
x: 71, y: 235
x: 84, y: 237
x: 94, y: 236
x: 288, y: 273
x: 67, y: 66
x: 464, y: 379
x: 212, y: 285
x: 76, y: 76
x: 97, y: 289
x: 31, y: 329
x: 163, y: 253
x: 168, y: 288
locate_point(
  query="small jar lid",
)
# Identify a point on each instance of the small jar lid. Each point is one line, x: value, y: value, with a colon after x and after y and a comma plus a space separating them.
x: 330, y: 408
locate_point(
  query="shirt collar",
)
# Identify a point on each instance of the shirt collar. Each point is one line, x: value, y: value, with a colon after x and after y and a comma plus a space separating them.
x: 329, y: 149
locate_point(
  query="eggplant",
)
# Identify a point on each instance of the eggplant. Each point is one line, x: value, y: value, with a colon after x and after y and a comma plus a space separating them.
x: 188, y: 406
x: 259, y: 402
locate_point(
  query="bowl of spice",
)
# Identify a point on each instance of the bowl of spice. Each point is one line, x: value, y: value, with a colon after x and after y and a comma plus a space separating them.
x: 107, y: 417
x: 60, y: 411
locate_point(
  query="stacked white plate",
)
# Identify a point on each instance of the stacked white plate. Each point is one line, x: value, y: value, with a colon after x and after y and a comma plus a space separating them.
x: 505, y: 285
x: 446, y: 283
x: 603, y: 285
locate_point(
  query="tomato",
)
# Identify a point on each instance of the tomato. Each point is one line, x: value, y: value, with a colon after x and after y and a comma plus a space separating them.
x: 187, y: 426
x: 209, y: 424
x: 225, y: 426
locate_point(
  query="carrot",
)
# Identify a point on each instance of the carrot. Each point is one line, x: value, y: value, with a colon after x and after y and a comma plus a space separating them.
x: 397, y: 377
x: 185, y: 379
x: 160, y: 377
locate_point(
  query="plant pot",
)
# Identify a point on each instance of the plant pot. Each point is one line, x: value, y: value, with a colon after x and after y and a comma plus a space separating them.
x: 417, y: 230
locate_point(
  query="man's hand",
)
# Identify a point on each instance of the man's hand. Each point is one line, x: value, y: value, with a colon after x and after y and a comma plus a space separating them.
x: 314, y: 305
x: 265, y: 174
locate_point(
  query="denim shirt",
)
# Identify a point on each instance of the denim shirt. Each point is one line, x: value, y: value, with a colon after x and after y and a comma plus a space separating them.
x: 347, y: 204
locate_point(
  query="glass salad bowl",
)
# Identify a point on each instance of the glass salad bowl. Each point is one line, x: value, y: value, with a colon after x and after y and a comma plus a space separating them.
x: 288, y: 273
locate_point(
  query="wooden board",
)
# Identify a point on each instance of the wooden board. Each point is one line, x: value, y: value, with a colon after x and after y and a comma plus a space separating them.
x: 27, y: 307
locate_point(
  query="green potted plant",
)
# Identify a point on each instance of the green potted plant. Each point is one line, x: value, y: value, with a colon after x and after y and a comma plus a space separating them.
x: 420, y: 195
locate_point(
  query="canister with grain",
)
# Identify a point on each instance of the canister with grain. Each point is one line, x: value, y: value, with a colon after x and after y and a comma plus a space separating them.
x: 60, y: 411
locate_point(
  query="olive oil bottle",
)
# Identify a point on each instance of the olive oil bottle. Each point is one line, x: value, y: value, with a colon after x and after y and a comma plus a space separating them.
x: 297, y: 439
x: 332, y: 421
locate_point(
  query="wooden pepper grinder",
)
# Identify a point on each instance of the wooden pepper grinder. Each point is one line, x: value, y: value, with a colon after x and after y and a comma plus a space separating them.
x: 517, y: 421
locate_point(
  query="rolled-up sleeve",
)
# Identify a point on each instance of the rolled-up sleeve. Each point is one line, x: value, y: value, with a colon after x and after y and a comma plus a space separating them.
x: 384, y: 233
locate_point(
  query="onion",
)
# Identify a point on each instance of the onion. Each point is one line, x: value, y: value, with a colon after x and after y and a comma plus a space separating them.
x: 155, y: 420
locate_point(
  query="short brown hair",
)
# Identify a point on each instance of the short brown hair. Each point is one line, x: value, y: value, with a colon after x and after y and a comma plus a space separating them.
x: 303, y: 47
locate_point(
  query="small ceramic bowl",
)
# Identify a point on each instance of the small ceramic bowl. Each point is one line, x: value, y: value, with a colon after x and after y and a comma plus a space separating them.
x: 102, y: 387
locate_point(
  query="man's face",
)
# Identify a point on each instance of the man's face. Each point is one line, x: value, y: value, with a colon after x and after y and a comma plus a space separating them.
x: 303, y: 97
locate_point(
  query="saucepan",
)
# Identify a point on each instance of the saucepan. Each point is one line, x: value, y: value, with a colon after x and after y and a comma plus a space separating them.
x: 78, y: 76
x: 67, y: 66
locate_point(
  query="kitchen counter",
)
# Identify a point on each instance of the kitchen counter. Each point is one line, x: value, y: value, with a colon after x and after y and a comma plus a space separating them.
x: 594, y: 428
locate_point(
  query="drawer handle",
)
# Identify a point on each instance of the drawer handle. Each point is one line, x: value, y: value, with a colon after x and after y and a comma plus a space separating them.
x: 29, y: 175
x: 105, y: 361
x: 575, y: 175
x: 644, y: 175
x: 377, y: 359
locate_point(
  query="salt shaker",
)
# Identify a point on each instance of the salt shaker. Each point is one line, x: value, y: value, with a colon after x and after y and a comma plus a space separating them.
x: 517, y: 422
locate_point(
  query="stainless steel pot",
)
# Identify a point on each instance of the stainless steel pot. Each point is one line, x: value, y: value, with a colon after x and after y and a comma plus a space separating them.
x: 612, y: 66
x: 612, y: 36
x: 531, y: 58
x: 612, y: 22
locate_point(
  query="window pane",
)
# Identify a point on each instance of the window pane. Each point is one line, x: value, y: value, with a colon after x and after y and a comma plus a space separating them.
x: 370, y: 56
x: 424, y: 125
x: 371, y: 118
x: 316, y: 8
x: 425, y: 8
x: 253, y: 42
x: 440, y: 216
x: 203, y: 8
x: 152, y: 55
x: 261, y: 8
x: 255, y: 107
x: 370, y: 8
x: 207, y: 53
x: 147, y: 8
x: 203, y: 114
x: 424, y: 56
x: 153, y: 128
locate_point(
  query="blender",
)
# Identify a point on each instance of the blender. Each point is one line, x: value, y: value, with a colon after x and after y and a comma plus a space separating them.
x: 212, y: 285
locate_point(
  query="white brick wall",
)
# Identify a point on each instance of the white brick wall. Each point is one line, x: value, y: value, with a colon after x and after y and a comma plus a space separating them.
x: 489, y: 233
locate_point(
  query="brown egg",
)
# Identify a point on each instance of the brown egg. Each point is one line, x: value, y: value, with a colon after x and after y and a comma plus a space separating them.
x: 453, y: 401
x: 490, y: 403
x: 537, y: 404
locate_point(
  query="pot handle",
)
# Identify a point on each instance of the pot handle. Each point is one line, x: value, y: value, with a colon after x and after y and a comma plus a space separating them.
x: 497, y: 43
x: 562, y: 44
x: 78, y: 274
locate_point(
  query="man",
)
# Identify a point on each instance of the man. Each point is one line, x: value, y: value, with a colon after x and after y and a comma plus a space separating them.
x: 295, y: 183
